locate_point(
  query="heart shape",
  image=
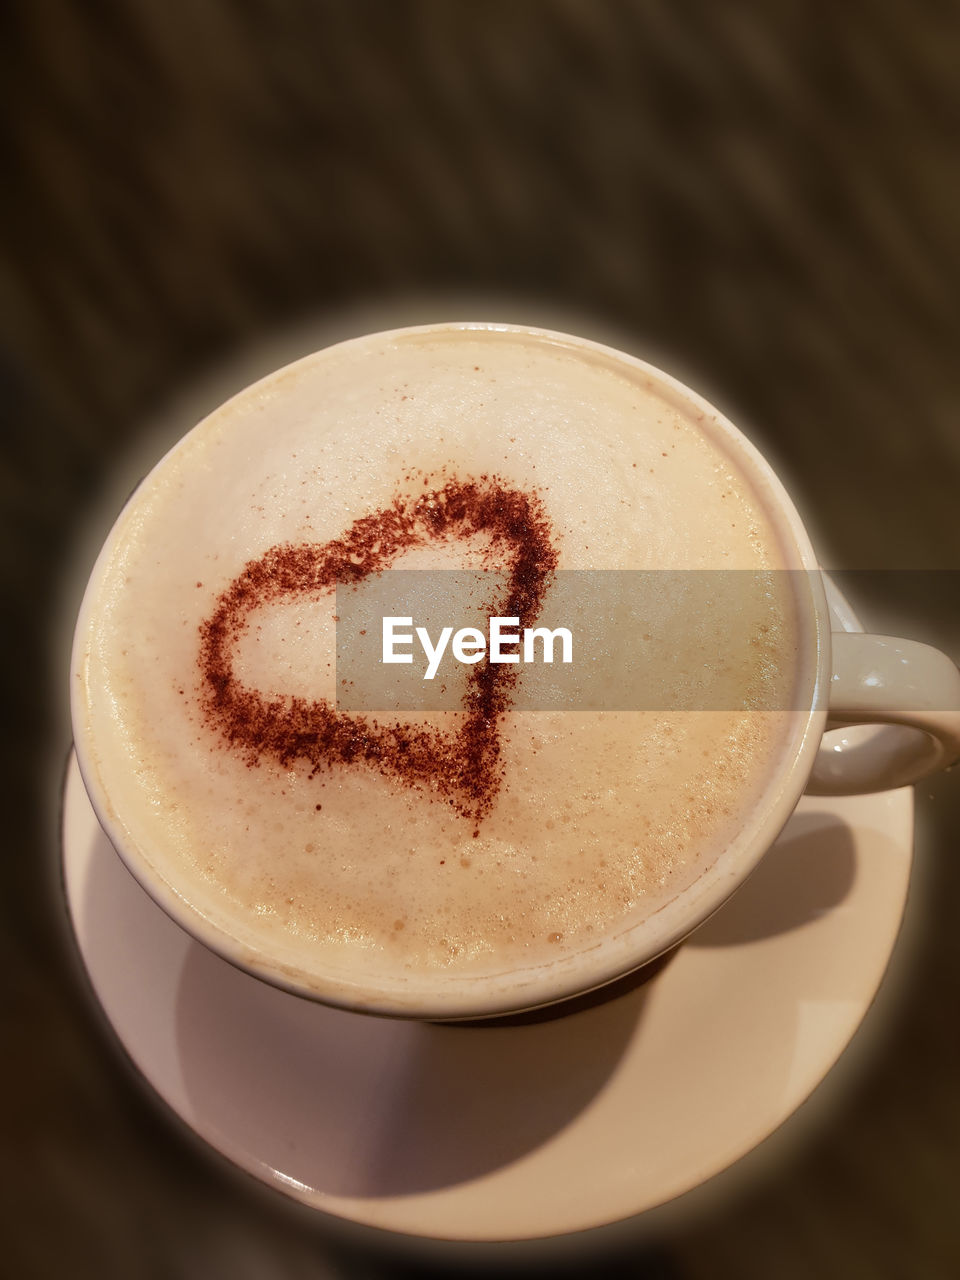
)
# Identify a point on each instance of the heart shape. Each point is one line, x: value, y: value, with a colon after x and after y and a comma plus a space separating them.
x: 464, y: 768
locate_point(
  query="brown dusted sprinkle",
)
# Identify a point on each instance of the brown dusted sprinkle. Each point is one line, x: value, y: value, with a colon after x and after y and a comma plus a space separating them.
x: 464, y: 769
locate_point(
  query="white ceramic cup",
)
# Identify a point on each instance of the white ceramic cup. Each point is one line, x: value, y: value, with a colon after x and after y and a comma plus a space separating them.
x: 870, y: 679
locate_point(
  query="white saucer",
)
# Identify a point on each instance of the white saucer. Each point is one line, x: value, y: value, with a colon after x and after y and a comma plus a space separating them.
x: 492, y: 1133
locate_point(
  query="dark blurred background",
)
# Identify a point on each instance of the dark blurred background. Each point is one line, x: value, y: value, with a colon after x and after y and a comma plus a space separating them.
x: 763, y: 197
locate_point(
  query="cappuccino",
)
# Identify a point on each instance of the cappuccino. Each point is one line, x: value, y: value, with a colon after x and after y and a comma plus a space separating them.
x: 433, y: 844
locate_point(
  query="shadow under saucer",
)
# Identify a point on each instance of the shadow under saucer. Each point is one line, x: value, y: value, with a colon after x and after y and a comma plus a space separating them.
x: 439, y: 1107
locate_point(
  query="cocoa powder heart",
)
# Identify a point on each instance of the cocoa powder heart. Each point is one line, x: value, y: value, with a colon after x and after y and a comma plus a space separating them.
x: 463, y: 768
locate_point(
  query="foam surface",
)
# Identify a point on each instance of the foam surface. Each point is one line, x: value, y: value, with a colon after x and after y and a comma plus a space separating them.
x: 601, y: 817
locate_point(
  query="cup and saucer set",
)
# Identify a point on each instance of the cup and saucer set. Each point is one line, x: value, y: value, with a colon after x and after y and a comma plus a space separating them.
x: 590, y: 1112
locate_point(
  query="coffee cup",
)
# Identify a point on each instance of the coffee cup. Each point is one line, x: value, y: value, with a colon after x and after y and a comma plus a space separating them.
x: 502, y: 852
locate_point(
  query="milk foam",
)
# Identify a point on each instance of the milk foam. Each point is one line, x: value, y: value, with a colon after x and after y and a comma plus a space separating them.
x: 602, y: 817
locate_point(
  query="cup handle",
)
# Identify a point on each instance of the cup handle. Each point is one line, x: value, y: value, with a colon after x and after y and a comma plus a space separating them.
x: 911, y: 689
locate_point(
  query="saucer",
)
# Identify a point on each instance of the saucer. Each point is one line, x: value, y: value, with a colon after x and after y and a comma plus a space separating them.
x: 521, y: 1131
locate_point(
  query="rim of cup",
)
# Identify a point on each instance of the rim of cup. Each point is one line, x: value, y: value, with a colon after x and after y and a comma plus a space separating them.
x: 467, y: 996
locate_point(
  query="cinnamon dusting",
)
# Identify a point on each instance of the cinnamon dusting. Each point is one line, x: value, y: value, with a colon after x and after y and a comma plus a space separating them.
x: 464, y: 769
